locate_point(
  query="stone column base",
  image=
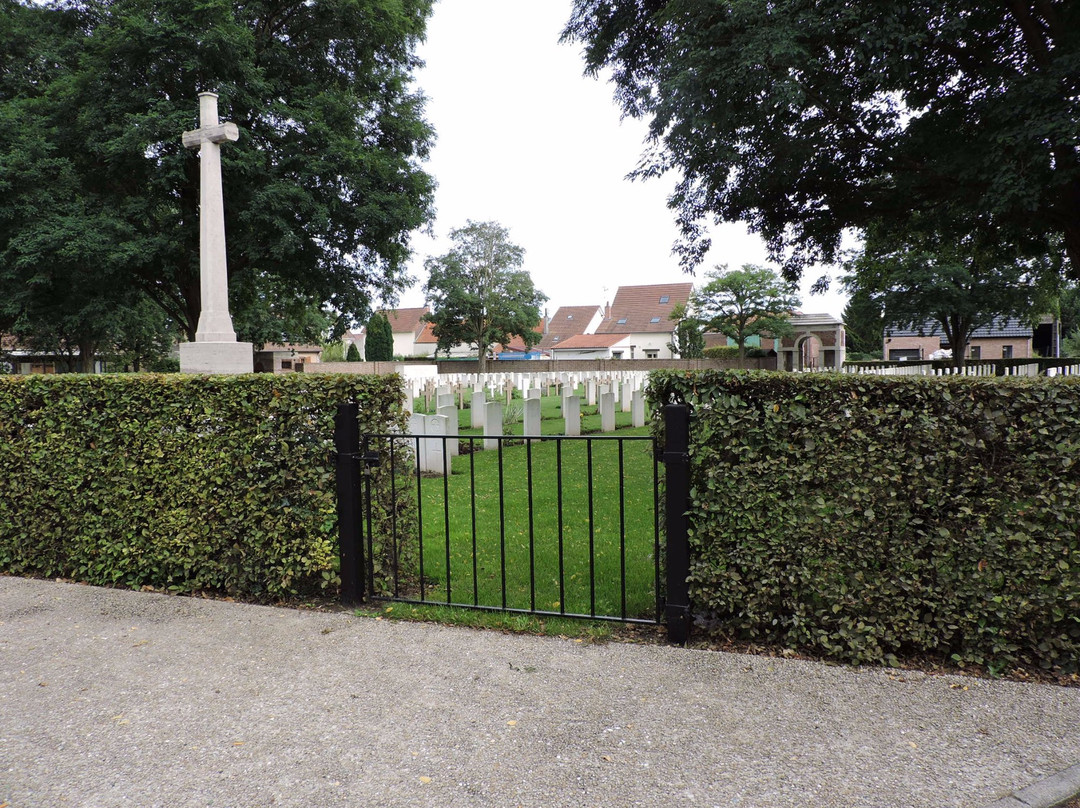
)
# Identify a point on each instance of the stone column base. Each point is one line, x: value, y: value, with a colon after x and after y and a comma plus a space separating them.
x: 216, y: 357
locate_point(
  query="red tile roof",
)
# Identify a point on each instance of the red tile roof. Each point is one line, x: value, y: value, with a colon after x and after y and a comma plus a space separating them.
x: 568, y: 321
x: 635, y: 308
x: 406, y: 320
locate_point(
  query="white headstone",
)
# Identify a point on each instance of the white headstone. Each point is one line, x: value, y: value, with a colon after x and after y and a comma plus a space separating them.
x: 479, y: 400
x: 451, y: 415
x: 607, y: 412
x: 215, y: 349
x: 532, y: 415
x: 493, y: 423
x: 571, y: 410
x: 637, y: 409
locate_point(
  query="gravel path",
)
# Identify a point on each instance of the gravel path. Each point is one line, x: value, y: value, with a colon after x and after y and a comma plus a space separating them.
x: 115, y: 698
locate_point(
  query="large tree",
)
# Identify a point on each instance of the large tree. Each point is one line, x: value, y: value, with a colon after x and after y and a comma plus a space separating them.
x: 864, y: 326
x: 479, y: 292
x: 804, y: 119
x: 740, y: 303
x: 321, y: 191
x: 954, y: 281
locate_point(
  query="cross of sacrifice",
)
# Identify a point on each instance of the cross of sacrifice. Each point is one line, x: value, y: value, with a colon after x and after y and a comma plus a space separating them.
x: 215, y: 323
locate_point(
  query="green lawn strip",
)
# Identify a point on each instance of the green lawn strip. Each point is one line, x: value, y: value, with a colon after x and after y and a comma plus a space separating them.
x: 592, y: 630
x: 526, y: 555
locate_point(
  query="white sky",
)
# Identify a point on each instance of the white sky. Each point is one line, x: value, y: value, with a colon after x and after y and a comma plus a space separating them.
x: 525, y: 139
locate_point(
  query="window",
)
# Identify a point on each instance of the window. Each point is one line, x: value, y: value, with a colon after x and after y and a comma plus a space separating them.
x: 1006, y: 352
x: 622, y: 321
x: 976, y: 352
x: 554, y: 339
x: 654, y: 320
x: 664, y: 298
x: 616, y: 354
x: 569, y: 317
x: 652, y: 354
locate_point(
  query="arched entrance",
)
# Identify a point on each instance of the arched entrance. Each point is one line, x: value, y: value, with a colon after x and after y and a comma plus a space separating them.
x: 818, y: 343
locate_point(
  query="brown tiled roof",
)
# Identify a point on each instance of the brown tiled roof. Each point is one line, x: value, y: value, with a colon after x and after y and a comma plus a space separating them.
x: 635, y: 307
x: 427, y: 335
x: 590, y: 341
x: 406, y: 320
x: 568, y: 321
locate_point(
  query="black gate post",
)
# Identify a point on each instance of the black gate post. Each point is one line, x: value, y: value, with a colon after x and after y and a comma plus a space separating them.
x: 347, y: 446
x: 677, y: 502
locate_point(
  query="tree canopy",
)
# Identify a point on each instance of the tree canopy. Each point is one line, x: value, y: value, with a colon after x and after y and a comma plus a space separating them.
x: 805, y: 119
x: 740, y: 303
x: 479, y: 292
x: 957, y: 283
x: 321, y: 191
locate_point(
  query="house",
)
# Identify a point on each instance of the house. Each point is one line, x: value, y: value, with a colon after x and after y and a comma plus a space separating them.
x: 593, y: 346
x: 643, y: 315
x: 408, y: 327
x: 570, y: 321
x: 1004, y: 338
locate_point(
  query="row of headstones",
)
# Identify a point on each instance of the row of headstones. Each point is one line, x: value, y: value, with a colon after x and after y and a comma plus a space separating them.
x: 500, y: 385
x: 433, y: 452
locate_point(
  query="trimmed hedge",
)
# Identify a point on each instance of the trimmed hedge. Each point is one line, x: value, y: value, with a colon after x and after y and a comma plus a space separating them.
x: 865, y: 518
x: 187, y: 483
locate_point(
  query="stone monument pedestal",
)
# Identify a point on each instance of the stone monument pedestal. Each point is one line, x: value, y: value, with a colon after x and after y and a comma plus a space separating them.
x: 217, y: 357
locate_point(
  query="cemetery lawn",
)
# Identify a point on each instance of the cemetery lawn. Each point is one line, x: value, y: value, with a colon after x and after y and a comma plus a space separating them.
x: 533, y: 553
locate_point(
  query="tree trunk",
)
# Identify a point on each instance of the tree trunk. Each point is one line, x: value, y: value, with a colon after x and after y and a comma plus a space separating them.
x: 481, y: 359
x: 86, y: 356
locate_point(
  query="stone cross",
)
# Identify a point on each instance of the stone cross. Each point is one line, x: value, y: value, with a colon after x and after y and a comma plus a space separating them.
x: 215, y: 323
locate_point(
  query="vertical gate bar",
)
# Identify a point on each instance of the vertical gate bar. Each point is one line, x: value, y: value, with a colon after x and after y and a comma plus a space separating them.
x: 502, y: 525
x: 559, y: 495
x: 420, y: 518
x: 592, y: 532
x: 472, y: 495
x: 446, y: 511
x: 677, y: 462
x: 532, y: 541
x: 347, y: 446
x: 367, y: 542
x: 622, y: 526
x: 395, y: 537
x: 656, y: 533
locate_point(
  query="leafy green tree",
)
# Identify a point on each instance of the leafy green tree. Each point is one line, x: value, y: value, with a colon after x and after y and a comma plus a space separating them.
x: 805, y: 119
x: 321, y: 191
x: 379, y: 345
x: 959, y: 281
x: 863, y: 324
x: 479, y: 292
x: 1070, y: 345
x: 353, y: 354
x: 688, y: 338
x: 740, y: 303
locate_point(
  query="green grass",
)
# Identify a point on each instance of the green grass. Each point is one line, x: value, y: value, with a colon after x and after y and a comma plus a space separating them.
x: 570, y: 552
x: 591, y: 631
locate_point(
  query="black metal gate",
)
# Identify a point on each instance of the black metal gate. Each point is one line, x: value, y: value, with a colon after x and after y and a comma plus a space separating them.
x: 551, y: 526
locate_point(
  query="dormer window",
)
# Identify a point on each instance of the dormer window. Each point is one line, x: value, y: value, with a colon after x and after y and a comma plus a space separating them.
x: 664, y: 299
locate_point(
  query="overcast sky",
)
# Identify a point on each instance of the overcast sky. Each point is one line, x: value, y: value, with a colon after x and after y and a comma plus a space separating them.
x: 525, y: 139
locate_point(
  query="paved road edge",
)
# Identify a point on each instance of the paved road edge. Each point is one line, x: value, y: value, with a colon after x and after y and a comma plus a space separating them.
x: 1048, y: 793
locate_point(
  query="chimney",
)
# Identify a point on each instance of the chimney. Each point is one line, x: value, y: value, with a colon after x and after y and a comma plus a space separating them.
x: 607, y: 310
x: 547, y: 320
